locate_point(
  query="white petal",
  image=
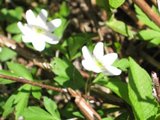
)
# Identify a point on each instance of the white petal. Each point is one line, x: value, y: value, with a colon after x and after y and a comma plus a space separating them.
x: 90, y: 66
x: 30, y: 17
x: 158, y: 2
x: 86, y: 53
x: 26, y: 39
x: 21, y: 27
x: 112, y: 71
x: 109, y: 58
x: 42, y: 18
x: 50, y: 38
x: 98, y: 51
x: 52, y: 25
x: 43, y: 15
x: 38, y: 44
x: 25, y: 29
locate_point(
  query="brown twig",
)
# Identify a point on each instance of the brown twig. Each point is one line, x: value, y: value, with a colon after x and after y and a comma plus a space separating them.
x: 156, y: 84
x: 154, y: 2
x: 25, y: 81
x: 84, y: 107
x: 150, y: 59
x: 125, y: 7
x: 148, y: 11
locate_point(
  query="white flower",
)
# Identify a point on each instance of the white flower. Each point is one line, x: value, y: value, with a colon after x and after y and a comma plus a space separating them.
x: 98, y: 62
x: 38, y: 30
x: 158, y: 2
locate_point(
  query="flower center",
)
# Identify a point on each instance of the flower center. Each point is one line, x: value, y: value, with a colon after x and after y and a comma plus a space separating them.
x: 98, y: 63
x: 39, y: 30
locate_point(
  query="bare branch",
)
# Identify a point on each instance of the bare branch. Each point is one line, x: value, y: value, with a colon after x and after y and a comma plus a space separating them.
x: 25, y: 81
x: 84, y: 107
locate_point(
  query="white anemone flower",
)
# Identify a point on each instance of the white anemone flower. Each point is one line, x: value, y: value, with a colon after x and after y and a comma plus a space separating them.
x: 38, y: 31
x: 158, y: 2
x: 98, y: 62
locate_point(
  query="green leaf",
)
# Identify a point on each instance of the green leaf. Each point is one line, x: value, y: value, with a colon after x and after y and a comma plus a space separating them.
x: 115, y: 84
x: 108, y: 118
x: 158, y: 116
x: 59, y: 67
x: 13, y: 28
x: 17, y: 37
x: 6, y: 81
x: 61, y: 80
x: 123, y: 64
x: 36, y: 92
x: 149, y: 34
x: 3, y: 13
x: 140, y: 92
x: 7, y: 54
x: 15, y: 13
x: 19, y: 70
x: 60, y: 30
x: 66, y: 71
x: 51, y: 107
x: 21, y: 99
x: 143, y: 18
x: 76, y: 42
x: 78, y: 114
x: 64, y: 9
x: 155, y: 41
x: 8, y: 106
x: 116, y: 3
x: 32, y: 113
x: 120, y: 27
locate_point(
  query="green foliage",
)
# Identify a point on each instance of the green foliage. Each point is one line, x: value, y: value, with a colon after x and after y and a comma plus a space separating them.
x: 7, y: 54
x: 140, y: 92
x: 116, y: 3
x: 31, y: 114
x: 36, y: 92
x: 8, y: 107
x: 60, y: 30
x: 21, y: 99
x: 123, y: 64
x: 64, y: 10
x: 51, y: 107
x: 12, y: 15
x: 19, y: 70
x: 115, y: 84
x: 83, y: 23
x: 13, y: 28
x: 6, y: 81
x: 150, y: 34
x: 76, y: 42
x: 67, y: 74
x: 52, y: 113
x: 143, y: 18
x: 137, y: 92
x: 120, y: 27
